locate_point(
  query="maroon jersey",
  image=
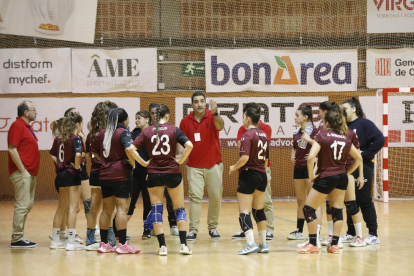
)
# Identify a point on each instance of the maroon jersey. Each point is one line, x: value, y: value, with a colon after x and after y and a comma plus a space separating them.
x: 354, y: 139
x: 333, y: 154
x: 96, y: 164
x: 163, y: 152
x: 83, y: 160
x: 115, y: 167
x: 302, y: 147
x: 255, y: 144
x: 57, y: 151
x: 320, y: 127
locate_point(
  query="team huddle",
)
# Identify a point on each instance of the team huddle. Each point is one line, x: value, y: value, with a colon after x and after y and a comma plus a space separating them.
x: 327, y: 161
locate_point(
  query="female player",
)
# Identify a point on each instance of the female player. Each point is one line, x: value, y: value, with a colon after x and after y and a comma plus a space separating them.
x: 254, y: 155
x: 164, y: 171
x: 300, y: 151
x: 371, y: 141
x: 67, y: 154
x: 333, y: 148
x: 142, y: 121
x: 115, y: 178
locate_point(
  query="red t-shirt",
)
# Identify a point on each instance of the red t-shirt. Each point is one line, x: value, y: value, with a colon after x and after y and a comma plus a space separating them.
x: 207, y: 152
x: 22, y: 136
x: 265, y: 127
x: 255, y: 144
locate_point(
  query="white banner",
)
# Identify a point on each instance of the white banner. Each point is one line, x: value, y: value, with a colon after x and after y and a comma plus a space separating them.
x: 390, y: 16
x: 101, y: 71
x: 72, y: 20
x: 390, y: 68
x: 35, y: 70
x: 279, y: 114
x: 50, y: 109
x: 281, y: 71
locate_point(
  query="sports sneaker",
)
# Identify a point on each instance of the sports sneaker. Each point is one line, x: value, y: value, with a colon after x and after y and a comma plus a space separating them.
x: 296, y: 235
x: 340, y: 244
x: 23, y: 243
x: 74, y: 246
x: 146, y: 234
x: 347, y: 238
x: 61, y: 244
x: 78, y: 239
x: 303, y: 244
x: 263, y: 248
x: 372, y: 239
x: 127, y: 238
x: 249, y: 248
x: 92, y: 247
x: 105, y: 248
x: 327, y: 240
x: 184, y: 250
x: 269, y: 236
x: 333, y: 249
x: 358, y: 242
x: 239, y: 235
x: 191, y: 236
x: 126, y: 249
x: 308, y: 248
x: 60, y: 237
x: 213, y: 234
x: 97, y: 234
x: 162, y: 251
x: 174, y: 230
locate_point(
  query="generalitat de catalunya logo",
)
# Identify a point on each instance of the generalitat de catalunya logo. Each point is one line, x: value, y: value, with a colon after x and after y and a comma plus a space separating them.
x: 383, y: 67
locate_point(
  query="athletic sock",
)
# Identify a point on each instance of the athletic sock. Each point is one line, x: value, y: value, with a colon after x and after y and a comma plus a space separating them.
x: 249, y: 236
x: 90, y: 236
x: 72, y: 234
x: 335, y: 240
x: 111, y: 237
x: 122, y: 236
x: 373, y: 232
x: 312, y: 239
x: 262, y: 236
x: 161, y: 239
x: 330, y: 227
x: 299, y: 224
x: 183, y: 237
x: 55, y: 234
x: 358, y: 229
x: 104, y: 236
x: 62, y: 234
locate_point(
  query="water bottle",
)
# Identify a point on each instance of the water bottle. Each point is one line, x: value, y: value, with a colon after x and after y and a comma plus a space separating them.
x: 308, y: 130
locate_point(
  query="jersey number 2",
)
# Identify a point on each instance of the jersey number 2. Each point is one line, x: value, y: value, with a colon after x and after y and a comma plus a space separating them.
x: 263, y: 148
x: 165, y: 140
x: 335, y: 147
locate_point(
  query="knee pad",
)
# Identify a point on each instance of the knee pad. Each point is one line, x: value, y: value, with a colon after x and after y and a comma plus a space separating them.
x: 336, y: 214
x: 259, y: 215
x: 180, y: 214
x: 245, y: 222
x: 156, y: 213
x: 148, y: 221
x: 87, y: 204
x: 309, y: 213
x: 328, y: 208
x: 352, y: 207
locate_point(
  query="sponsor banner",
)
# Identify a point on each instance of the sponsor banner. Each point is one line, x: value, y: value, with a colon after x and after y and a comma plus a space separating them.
x: 390, y: 16
x: 72, y: 20
x: 390, y: 68
x: 278, y: 112
x: 281, y: 71
x: 101, y: 71
x: 35, y: 70
x: 50, y: 109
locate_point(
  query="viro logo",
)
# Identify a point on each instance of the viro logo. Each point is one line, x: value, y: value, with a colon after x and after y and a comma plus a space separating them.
x: 395, y: 4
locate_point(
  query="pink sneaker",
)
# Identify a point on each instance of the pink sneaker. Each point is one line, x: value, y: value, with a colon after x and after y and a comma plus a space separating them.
x: 105, y: 248
x: 126, y: 249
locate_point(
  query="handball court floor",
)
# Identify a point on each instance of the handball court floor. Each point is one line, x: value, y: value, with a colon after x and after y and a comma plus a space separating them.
x: 392, y: 257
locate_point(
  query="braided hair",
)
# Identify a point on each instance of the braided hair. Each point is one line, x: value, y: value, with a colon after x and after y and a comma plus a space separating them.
x: 111, y: 126
x: 161, y: 111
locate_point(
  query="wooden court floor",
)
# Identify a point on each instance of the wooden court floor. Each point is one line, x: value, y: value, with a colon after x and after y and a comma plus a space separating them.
x: 394, y: 256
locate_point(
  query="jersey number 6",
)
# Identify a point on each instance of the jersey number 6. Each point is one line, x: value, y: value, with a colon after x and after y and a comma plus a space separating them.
x: 61, y: 153
x: 165, y: 139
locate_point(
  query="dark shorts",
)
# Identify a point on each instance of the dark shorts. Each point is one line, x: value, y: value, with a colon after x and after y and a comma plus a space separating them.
x: 169, y: 180
x: 327, y: 184
x: 94, y: 179
x: 300, y: 173
x: 250, y: 180
x: 83, y: 172
x: 66, y: 179
x: 120, y: 189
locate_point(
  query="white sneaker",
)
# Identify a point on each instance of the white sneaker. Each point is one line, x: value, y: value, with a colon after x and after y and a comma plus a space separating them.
x: 327, y: 240
x: 174, y: 230
x: 61, y: 244
x: 296, y: 235
x: 340, y: 244
x: 163, y: 251
x: 359, y: 241
x: 78, y: 239
x: 347, y: 238
x: 74, y: 246
x: 93, y: 246
x: 184, y: 250
x: 371, y: 239
x: 97, y: 234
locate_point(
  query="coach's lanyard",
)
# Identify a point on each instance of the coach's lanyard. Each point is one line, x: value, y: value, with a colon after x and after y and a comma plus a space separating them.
x: 32, y: 132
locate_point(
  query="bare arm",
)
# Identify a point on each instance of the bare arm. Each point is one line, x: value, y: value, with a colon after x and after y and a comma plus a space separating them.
x: 307, y: 138
x: 311, y: 159
x: 14, y: 154
x: 54, y: 158
x: 180, y: 151
x: 218, y: 121
x: 293, y: 158
x: 188, y: 147
x: 361, y: 180
x: 78, y: 158
x: 131, y: 159
x: 97, y: 156
x: 134, y: 154
x: 240, y: 163
x: 357, y: 157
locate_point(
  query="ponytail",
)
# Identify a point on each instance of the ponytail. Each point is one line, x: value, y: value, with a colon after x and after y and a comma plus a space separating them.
x: 57, y: 127
x: 253, y: 114
x: 111, y: 124
x: 69, y: 126
x: 354, y: 102
x: 160, y: 113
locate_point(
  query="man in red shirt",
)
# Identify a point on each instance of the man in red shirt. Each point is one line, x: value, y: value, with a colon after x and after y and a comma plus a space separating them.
x: 268, y: 204
x: 204, y: 165
x: 24, y: 160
